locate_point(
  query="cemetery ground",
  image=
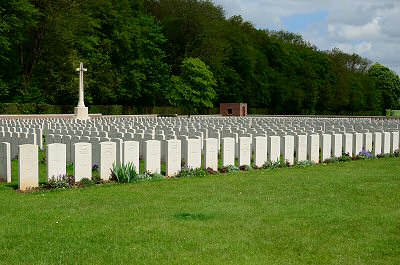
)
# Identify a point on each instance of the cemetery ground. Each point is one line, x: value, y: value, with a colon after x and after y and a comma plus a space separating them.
x: 343, y: 213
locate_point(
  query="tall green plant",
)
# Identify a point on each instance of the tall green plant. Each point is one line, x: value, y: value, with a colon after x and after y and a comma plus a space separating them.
x: 125, y: 173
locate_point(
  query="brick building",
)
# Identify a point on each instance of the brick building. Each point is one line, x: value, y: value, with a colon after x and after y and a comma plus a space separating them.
x: 233, y: 109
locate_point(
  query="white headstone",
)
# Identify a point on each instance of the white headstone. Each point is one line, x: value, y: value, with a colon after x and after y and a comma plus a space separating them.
x: 119, y: 149
x: 394, y: 142
x: 326, y: 146
x: 152, y: 158
x: 108, y: 156
x: 386, y: 143
x: 260, y: 151
x: 173, y: 157
x: 313, y: 148
x: 193, y: 153
x: 39, y: 138
x: 244, y: 145
x: 83, y: 161
x: 5, y: 162
x: 301, y: 147
x: 367, y: 143
x: 211, y: 153
x: 56, y: 160
x: 131, y: 154
x: 287, y: 148
x: 67, y: 141
x: 348, y: 143
x: 274, y: 148
x: 28, y: 166
x: 357, y: 143
x: 228, y: 151
x: 337, y: 145
x: 377, y: 142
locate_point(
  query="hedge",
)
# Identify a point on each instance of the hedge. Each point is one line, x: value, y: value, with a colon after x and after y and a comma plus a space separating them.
x: 32, y: 108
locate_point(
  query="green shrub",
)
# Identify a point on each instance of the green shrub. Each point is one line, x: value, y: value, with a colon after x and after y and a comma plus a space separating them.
x: 331, y: 160
x: 271, y: 164
x: 245, y: 168
x: 125, y: 173
x: 95, y: 174
x: 60, y: 182
x: 345, y: 158
x: 230, y: 168
x: 149, y: 176
x: 188, y: 173
x: 305, y: 163
x: 85, y: 182
x: 383, y: 155
x: 211, y: 171
x: 364, y: 154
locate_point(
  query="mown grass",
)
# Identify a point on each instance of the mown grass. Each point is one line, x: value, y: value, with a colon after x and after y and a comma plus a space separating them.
x: 346, y: 213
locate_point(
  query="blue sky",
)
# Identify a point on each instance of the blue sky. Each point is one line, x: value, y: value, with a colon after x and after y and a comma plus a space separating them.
x: 366, y: 27
x: 298, y: 23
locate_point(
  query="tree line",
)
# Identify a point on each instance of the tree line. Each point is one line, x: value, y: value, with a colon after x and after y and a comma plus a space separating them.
x: 176, y: 52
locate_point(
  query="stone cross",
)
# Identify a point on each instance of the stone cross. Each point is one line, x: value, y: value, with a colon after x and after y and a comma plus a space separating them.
x: 81, y: 103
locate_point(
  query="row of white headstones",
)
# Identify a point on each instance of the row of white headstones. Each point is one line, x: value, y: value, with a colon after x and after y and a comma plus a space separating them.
x: 264, y: 148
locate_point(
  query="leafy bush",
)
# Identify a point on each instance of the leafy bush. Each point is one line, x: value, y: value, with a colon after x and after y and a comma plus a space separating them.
x: 245, y: 168
x: 230, y: 168
x: 60, y: 182
x: 149, y: 176
x: 95, y: 167
x: 363, y: 155
x: 331, y: 160
x: 70, y: 167
x: 125, y: 173
x: 345, y: 157
x: 271, y: 164
x: 396, y: 153
x: 211, y: 171
x: 382, y: 155
x: 196, y: 172
x: 85, y: 182
x: 95, y: 174
x: 305, y: 163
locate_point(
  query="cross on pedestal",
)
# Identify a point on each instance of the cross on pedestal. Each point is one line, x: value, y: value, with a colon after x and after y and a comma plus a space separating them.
x: 81, y: 112
x: 81, y: 102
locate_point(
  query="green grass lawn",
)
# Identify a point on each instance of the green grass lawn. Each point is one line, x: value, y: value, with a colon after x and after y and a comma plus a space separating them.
x: 346, y: 213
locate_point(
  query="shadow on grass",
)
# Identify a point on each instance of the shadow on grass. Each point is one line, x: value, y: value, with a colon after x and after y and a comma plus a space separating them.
x: 13, y: 186
x: 194, y: 216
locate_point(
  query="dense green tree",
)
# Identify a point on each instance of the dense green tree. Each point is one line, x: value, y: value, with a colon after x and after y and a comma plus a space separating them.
x: 194, y: 88
x: 124, y: 49
x: 18, y: 18
x: 388, y: 83
x: 134, y: 51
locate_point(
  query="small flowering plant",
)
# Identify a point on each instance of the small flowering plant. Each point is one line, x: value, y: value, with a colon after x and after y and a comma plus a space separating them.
x: 95, y: 167
x: 365, y: 155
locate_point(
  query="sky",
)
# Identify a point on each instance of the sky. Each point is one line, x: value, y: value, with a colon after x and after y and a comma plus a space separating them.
x: 370, y: 28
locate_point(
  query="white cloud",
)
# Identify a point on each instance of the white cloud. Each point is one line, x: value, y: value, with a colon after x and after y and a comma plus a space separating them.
x: 366, y: 27
x: 354, y: 32
x: 359, y: 48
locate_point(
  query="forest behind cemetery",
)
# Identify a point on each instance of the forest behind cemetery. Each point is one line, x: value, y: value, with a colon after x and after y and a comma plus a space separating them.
x: 184, y: 53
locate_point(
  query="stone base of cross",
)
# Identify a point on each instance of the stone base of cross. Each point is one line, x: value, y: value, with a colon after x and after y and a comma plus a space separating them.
x: 81, y: 113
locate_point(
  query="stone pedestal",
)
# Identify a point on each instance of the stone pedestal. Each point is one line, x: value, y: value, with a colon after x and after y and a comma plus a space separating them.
x: 81, y: 113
